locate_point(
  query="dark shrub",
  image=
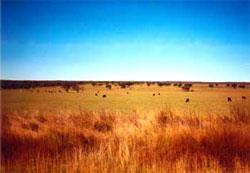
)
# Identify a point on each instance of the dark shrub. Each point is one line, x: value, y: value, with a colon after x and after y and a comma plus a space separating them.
x: 123, y: 86
x: 76, y: 88
x: 66, y: 87
x: 93, y: 84
x: 108, y: 86
x: 186, y: 87
x: 210, y: 85
x: 242, y: 86
x: 234, y: 85
x: 163, y: 84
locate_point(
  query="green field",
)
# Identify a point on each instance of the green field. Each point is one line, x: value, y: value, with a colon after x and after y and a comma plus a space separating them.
x: 136, y: 98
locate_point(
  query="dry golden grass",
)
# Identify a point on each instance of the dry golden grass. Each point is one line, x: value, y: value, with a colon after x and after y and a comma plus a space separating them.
x: 163, y: 141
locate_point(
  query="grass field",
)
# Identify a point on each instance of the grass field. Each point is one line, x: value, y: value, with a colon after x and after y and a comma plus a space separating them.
x: 138, y: 97
x: 137, y: 129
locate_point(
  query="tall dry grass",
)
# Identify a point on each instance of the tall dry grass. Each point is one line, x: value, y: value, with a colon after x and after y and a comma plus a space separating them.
x: 111, y: 142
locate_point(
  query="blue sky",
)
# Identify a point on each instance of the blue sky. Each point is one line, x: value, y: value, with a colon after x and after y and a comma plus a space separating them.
x: 126, y: 40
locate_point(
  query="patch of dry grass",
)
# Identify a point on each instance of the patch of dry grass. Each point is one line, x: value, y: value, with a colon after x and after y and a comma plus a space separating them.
x: 113, y: 142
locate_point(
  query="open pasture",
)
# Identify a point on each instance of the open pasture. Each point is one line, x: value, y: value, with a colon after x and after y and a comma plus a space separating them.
x: 138, y: 97
x: 138, y: 128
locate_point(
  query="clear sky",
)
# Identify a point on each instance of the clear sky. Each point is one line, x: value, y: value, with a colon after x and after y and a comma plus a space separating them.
x: 126, y: 40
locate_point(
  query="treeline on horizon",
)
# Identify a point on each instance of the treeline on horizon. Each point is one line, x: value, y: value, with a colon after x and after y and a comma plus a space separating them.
x: 28, y: 84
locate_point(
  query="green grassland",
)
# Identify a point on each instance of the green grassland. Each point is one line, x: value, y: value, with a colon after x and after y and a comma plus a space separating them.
x: 138, y: 97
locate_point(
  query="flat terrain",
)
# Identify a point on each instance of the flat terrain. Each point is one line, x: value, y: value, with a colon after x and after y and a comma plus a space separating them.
x: 139, y: 128
x: 136, y: 98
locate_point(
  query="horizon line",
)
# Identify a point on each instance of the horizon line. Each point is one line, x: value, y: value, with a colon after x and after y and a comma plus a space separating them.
x: 192, y: 81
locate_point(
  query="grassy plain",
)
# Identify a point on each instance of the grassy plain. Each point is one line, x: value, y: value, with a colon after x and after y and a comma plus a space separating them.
x: 50, y: 130
x: 139, y: 97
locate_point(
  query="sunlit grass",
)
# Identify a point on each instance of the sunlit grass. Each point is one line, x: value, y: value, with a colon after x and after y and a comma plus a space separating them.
x: 204, y: 99
x: 108, y: 142
x: 135, y: 132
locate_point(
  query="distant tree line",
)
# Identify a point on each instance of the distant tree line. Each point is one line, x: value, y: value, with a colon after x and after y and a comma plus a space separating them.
x: 74, y: 85
x: 14, y: 84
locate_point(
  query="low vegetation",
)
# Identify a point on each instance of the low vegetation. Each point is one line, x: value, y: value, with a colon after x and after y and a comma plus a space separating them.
x: 112, y: 142
x: 28, y: 84
x: 125, y: 127
x: 186, y: 87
